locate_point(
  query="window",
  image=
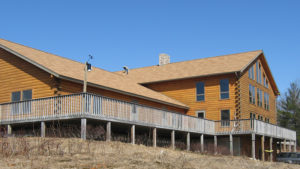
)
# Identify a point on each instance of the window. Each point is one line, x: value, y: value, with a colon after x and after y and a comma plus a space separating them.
x: 259, y: 97
x: 266, y: 101
x: 200, y: 114
x: 200, y: 91
x: 224, y: 88
x: 266, y: 82
x: 251, y: 72
x: 27, y: 95
x: 258, y: 72
x: 16, y: 96
x: 251, y: 94
x: 267, y: 120
x: 22, y: 107
x: 225, y: 117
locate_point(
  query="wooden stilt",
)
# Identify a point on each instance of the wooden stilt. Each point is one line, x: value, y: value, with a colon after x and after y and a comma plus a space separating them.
x: 154, y: 136
x: 108, y: 131
x: 83, y: 129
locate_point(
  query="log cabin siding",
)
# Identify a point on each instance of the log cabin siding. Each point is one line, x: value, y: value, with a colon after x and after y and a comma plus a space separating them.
x: 18, y: 75
x: 246, y: 106
x: 185, y: 92
x: 68, y: 87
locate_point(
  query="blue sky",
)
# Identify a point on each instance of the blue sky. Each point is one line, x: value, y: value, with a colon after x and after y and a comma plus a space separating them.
x: 133, y: 33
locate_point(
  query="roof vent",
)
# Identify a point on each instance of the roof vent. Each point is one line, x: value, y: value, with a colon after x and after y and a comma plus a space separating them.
x: 126, y: 70
x: 164, y: 59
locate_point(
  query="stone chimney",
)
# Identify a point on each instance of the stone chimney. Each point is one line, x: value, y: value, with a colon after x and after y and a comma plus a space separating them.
x: 164, y: 59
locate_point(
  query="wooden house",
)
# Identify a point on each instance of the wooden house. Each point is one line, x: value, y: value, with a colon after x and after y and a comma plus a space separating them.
x: 231, y: 98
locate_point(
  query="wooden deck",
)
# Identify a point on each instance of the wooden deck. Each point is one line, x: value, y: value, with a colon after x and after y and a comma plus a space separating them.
x: 85, y: 105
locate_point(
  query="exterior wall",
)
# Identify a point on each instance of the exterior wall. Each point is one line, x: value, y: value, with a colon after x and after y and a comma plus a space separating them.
x: 247, y: 107
x: 185, y: 92
x: 67, y: 87
x: 18, y: 75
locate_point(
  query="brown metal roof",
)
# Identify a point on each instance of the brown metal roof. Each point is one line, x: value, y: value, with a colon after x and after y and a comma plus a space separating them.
x: 65, y: 68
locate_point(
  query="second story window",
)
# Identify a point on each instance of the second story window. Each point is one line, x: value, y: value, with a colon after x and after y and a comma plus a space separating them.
x: 16, y: 96
x: 258, y: 72
x: 251, y: 72
x: 224, y: 88
x: 200, y: 91
x: 259, y: 97
x: 266, y: 101
x: 252, y: 94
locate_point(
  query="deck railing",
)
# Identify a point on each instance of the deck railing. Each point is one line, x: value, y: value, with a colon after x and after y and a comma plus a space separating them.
x: 100, y: 107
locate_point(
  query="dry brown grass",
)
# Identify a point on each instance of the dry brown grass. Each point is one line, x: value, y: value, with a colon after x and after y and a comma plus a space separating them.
x: 75, y: 153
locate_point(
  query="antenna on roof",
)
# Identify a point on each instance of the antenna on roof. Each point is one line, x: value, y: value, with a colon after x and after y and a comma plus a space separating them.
x: 126, y: 70
x: 87, y: 68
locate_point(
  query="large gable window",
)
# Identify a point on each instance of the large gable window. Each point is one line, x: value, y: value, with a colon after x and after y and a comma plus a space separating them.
x: 251, y: 72
x: 258, y: 72
x: 224, y: 88
x: 259, y: 97
x: 252, y: 94
x: 200, y: 91
x: 266, y: 101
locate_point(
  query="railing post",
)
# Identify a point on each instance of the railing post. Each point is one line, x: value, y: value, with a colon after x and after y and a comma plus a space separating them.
x: 133, y: 134
x: 215, y: 144
x: 43, y: 129
x: 154, y: 136
x: 83, y: 129
x: 202, y: 143
x: 173, y: 139
x: 108, y: 131
x: 271, y: 149
x: 188, y: 141
x: 253, y: 145
x: 231, y: 144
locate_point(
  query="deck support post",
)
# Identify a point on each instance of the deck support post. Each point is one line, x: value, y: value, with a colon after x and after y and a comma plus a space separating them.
x: 173, y: 139
x: 9, y: 129
x: 263, y: 148
x: 202, y: 143
x: 271, y: 149
x: 295, y: 146
x: 83, y: 129
x: 290, y: 146
x: 188, y: 141
x: 231, y: 144
x: 154, y: 136
x: 253, y: 145
x: 284, y: 145
x: 215, y: 144
x: 108, y: 131
x: 133, y: 134
x: 43, y: 129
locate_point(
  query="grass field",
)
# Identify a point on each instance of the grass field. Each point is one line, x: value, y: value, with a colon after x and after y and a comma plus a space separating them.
x: 75, y: 153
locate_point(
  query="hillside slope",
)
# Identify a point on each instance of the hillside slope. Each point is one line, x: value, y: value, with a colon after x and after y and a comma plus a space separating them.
x: 74, y: 153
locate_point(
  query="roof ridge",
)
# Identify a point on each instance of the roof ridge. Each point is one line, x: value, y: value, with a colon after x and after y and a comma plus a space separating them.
x: 211, y: 57
x: 53, y: 54
x: 41, y: 51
